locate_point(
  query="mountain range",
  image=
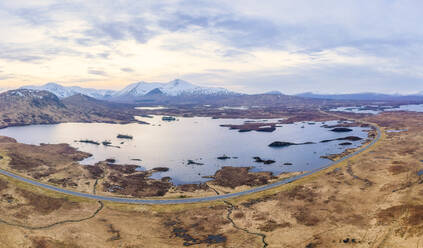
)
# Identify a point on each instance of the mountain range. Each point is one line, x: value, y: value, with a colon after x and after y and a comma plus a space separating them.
x: 366, y: 96
x: 176, y: 87
x: 63, y: 91
x: 180, y: 90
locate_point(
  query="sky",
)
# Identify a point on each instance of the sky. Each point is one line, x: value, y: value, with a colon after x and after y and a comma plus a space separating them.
x: 325, y: 46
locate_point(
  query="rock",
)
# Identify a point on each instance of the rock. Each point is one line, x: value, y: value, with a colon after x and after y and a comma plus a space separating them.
x: 345, y: 144
x: 287, y: 163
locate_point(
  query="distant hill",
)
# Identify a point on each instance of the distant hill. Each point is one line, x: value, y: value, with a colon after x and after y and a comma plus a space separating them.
x: 25, y: 107
x: 273, y: 92
x: 363, y: 97
x: 262, y: 100
x: 84, y: 105
x: 19, y: 107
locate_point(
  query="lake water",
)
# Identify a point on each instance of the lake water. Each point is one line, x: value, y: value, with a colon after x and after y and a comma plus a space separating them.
x: 358, y: 110
x: 364, y: 110
x: 201, y: 139
x: 409, y: 107
x: 151, y: 108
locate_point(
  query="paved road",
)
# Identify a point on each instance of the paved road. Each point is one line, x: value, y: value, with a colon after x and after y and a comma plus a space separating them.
x: 185, y: 200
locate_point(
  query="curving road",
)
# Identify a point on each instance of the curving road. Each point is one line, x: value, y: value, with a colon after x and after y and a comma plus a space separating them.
x: 186, y: 200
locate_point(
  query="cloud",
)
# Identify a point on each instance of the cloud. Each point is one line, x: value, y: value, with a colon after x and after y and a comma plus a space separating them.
x: 97, y: 72
x: 21, y: 57
x: 127, y: 69
x: 4, y: 77
x: 247, y: 45
x: 117, y: 31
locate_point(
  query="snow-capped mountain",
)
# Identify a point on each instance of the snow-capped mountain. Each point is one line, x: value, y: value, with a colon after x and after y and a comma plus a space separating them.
x: 176, y: 87
x: 137, y: 89
x: 63, y: 91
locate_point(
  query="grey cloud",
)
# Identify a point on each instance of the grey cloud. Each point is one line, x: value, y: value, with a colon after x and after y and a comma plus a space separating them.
x: 136, y: 29
x: 238, y: 31
x: 230, y: 53
x: 103, y: 55
x: 323, y: 28
x: 21, y: 57
x: 33, y: 53
x: 127, y: 69
x: 34, y: 16
x: 181, y: 21
x: 44, y: 14
x: 97, y: 72
x: 60, y: 38
x: 85, y: 41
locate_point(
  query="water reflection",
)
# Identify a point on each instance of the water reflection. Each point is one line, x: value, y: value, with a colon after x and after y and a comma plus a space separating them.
x: 201, y: 139
x: 378, y: 109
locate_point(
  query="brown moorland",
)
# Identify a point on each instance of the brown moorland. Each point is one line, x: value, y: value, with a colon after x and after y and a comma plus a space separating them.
x: 371, y: 200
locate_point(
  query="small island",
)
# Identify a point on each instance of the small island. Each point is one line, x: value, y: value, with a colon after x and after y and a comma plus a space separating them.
x: 341, y: 129
x: 285, y: 144
x: 89, y: 142
x: 124, y: 136
x: 168, y: 118
x: 224, y: 157
x: 264, y: 161
x: 348, y: 138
